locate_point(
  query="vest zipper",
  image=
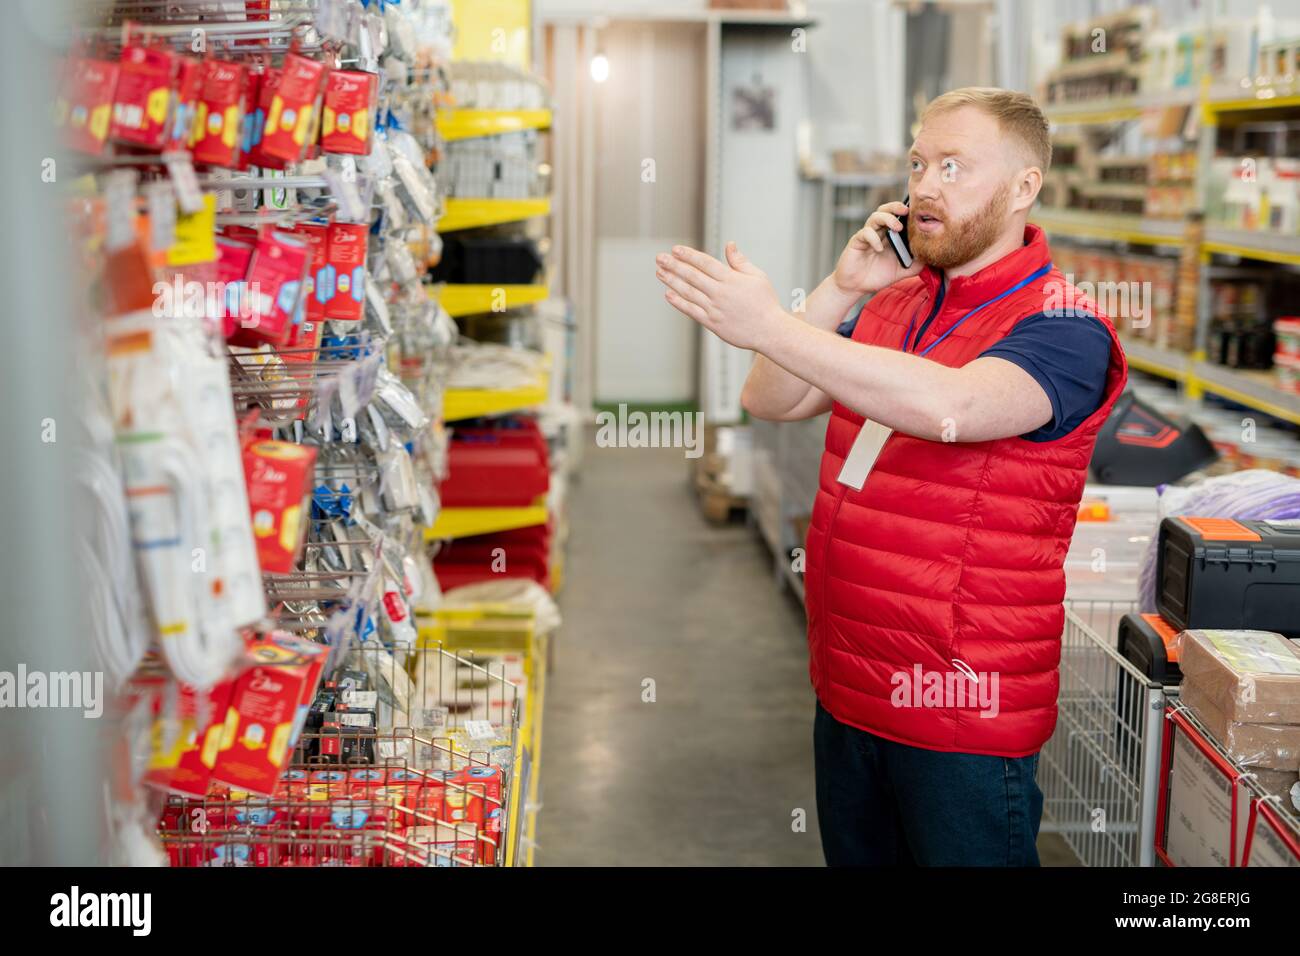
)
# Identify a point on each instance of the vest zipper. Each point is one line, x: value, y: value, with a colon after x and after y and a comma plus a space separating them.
x: 938, y: 304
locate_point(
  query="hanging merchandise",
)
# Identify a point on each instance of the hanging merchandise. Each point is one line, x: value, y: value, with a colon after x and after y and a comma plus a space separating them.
x: 279, y: 487
x: 187, y: 88
x: 260, y: 497
x: 290, y: 110
x: 276, y: 273
x: 85, y: 105
x: 220, y: 113
x: 143, y: 97
x: 349, y: 103
x: 345, y: 270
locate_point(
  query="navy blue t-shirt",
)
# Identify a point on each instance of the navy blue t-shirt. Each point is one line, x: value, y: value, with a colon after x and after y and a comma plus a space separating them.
x: 1067, y: 354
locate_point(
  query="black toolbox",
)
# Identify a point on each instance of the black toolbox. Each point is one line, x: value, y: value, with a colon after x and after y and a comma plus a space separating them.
x: 1219, y: 572
x: 1150, y: 643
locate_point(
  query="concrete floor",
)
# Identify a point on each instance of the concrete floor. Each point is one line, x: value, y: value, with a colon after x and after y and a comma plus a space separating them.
x: 718, y: 767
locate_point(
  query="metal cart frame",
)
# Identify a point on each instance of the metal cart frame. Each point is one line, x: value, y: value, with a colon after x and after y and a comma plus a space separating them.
x: 1099, y: 772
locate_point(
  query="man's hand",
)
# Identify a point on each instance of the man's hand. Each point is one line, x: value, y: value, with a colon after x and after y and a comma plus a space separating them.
x: 868, y: 263
x: 733, y: 300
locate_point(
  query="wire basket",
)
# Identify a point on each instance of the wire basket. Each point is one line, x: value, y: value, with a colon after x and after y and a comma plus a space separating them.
x: 1099, y: 772
x: 427, y: 779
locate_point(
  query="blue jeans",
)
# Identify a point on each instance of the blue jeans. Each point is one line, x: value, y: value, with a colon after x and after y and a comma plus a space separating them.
x: 881, y: 803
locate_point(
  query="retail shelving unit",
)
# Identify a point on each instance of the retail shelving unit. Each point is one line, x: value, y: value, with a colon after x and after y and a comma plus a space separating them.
x: 1196, y: 375
x: 485, y: 627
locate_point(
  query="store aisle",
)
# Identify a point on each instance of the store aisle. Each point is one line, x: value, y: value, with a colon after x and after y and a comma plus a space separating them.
x: 712, y: 771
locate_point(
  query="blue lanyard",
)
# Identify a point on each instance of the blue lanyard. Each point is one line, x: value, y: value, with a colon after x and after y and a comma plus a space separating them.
x: 1001, y: 295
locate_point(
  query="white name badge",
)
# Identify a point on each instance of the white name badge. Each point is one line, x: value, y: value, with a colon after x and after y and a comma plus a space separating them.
x: 862, y: 456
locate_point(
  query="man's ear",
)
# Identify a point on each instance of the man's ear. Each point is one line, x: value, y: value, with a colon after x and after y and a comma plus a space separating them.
x: 1028, y: 183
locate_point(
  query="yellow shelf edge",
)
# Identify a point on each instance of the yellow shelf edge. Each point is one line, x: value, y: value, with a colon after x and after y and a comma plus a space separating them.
x: 1248, y: 103
x: 1252, y: 252
x: 457, y: 124
x: 470, y: 213
x: 1156, y: 368
x: 1245, y: 398
x: 461, y: 299
x: 1089, y: 231
x: 467, y: 522
x: 459, y: 404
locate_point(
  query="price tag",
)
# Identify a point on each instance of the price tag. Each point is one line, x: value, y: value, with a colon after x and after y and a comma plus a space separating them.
x: 344, y: 190
x: 348, y: 394
x: 188, y: 193
x: 480, y: 729
x: 196, y: 238
x: 434, y: 719
x: 119, y: 209
x: 161, y: 203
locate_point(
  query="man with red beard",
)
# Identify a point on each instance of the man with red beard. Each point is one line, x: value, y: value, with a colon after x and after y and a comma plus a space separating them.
x: 965, y: 402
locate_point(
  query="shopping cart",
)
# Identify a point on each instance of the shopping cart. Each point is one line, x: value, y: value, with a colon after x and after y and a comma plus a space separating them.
x: 1099, y: 771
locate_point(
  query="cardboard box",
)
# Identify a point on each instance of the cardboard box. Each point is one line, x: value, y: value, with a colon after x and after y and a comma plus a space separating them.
x: 1273, y: 746
x: 1199, y: 830
x: 1251, y: 676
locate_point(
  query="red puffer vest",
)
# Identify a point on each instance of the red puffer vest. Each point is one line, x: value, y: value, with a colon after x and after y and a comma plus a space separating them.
x: 950, y: 559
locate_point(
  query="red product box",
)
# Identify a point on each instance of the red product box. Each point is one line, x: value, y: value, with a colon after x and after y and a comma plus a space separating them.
x: 142, y: 102
x: 250, y: 125
x: 220, y: 117
x: 350, y: 97
x: 185, y: 104
x: 275, y: 281
x: 279, y: 476
x: 290, y: 111
x: 345, y: 271
x: 266, y: 88
x: 317, y: 236
x: 233, y: 257
x: 182, y: 753
x: 438, y: 844
x: 264, y: 714
x: 85, y: 107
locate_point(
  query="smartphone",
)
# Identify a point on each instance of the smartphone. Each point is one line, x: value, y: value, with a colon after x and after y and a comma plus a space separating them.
x: 899, y: 240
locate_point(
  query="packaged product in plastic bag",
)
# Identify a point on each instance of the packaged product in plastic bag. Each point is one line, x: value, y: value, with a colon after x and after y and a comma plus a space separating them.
x: 1245, y: 687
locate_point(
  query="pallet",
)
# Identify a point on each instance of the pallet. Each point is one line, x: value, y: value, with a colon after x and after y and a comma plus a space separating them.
x: 716, y: 501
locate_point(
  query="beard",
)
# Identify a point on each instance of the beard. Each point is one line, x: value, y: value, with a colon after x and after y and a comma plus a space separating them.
x: 961, y: 241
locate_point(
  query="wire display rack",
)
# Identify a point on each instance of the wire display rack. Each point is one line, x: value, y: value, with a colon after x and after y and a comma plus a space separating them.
x: 431, y: 783
x: 1099, y: 772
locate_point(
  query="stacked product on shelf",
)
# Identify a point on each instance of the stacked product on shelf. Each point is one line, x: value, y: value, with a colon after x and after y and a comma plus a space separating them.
x: 1139, y: 291
x: 498, y: 463
x: 1175, y: 204
x: 1100, y: 59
